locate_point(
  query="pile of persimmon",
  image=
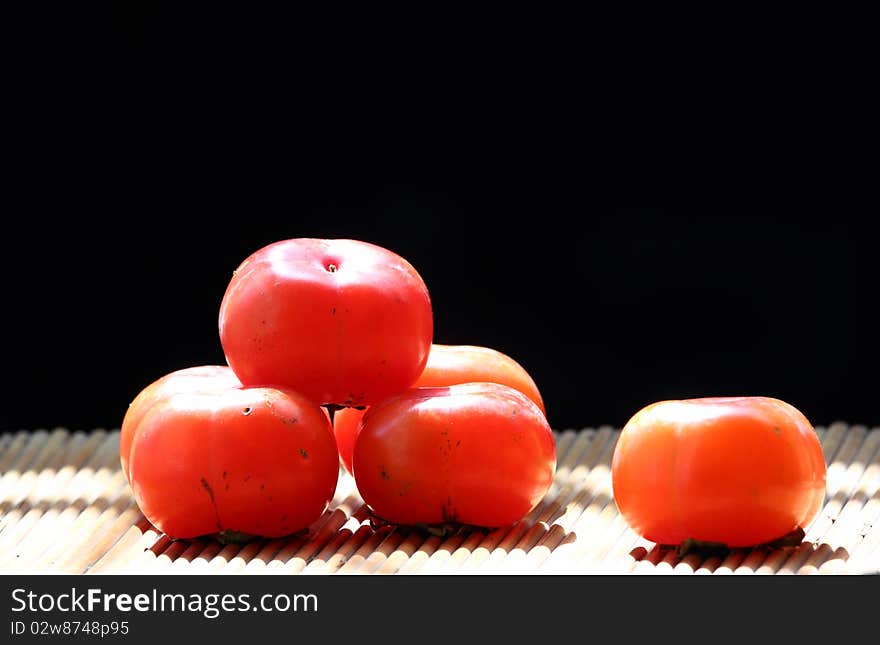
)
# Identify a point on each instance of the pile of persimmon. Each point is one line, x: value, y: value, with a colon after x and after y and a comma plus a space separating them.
x: 432, y: 434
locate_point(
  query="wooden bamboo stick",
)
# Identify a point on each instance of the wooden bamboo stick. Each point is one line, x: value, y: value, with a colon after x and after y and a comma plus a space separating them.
x: 18, y: 457
x: 380, y: 554
x: 124, y: 555
x: 182, y: 563
x: 666, y: 564
x: 551, y: 539
x: 217, y: 564
x: 688, y: 564
x: 308, y: 550
x: 333, y: 518
x: 820, y: 555
x: 731, y: 562
x: 591, y: 551
x: 44, y: 508
x: 860, y: 482
x: 514, y: 559
x: 842, y: 477
x: 169, y: 555
x: 708, y: 565
x: 363, y: 539
x: 294, y: 544
x: 105, y: 487
x: 862, y: 558
x: 796, y: 558
x: 752, y: 562
x: 404, y: 551
x: 347, y: 539
x: 356, y: 559
x: 9, y: 446
x: 264, y: 556
x: 197, y: 563
x: 586, y: 515
x: 247, y: 552
x: 54, y: 472
x: 26, y: 473
x: 646, y: 557
x: 433, y: 563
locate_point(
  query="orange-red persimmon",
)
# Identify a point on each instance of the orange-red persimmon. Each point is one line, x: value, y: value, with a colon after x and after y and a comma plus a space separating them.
x: 204, y: 455
x: 343, y: 322
x: 740, y: 471
x: 478, y: 453
x: 447, y: 365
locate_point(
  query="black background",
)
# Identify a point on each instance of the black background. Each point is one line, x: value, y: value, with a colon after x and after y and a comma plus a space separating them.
x: 625, y: 236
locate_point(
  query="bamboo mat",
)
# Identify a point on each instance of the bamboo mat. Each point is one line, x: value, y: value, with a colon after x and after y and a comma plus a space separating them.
x: 65, y: 507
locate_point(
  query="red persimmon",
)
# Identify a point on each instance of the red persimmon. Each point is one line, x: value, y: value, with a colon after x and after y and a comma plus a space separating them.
x: 740, y: 471
x: 447, y: 365
x: 204, y: 455
x: 477, y: 453
x: 343, y: 322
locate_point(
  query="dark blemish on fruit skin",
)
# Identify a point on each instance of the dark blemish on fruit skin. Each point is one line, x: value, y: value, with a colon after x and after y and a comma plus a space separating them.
x: 262, y: 487
x: 353, y: 400
x: 384, y: 473
x: 333, y: 311
x: 210, y: 492
x: 224, y: 474
x: 777, y: 431
x: 247, y: 411
x: 458, y: 443
x: 304, y: 453
x: 447, y: 512
x: 447, y: 448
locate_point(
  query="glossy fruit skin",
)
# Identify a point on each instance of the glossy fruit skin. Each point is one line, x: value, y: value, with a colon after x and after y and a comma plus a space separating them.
x: 480, y: 454
x: 343, y: 322
x: 447, y: 365
x: 191, y: 379
x: 456, y: 364
x: 741, y: 471
x: 204, y: 455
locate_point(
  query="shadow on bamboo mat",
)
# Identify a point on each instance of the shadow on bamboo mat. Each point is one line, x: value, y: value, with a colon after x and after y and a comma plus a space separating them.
x: 65, y: 507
